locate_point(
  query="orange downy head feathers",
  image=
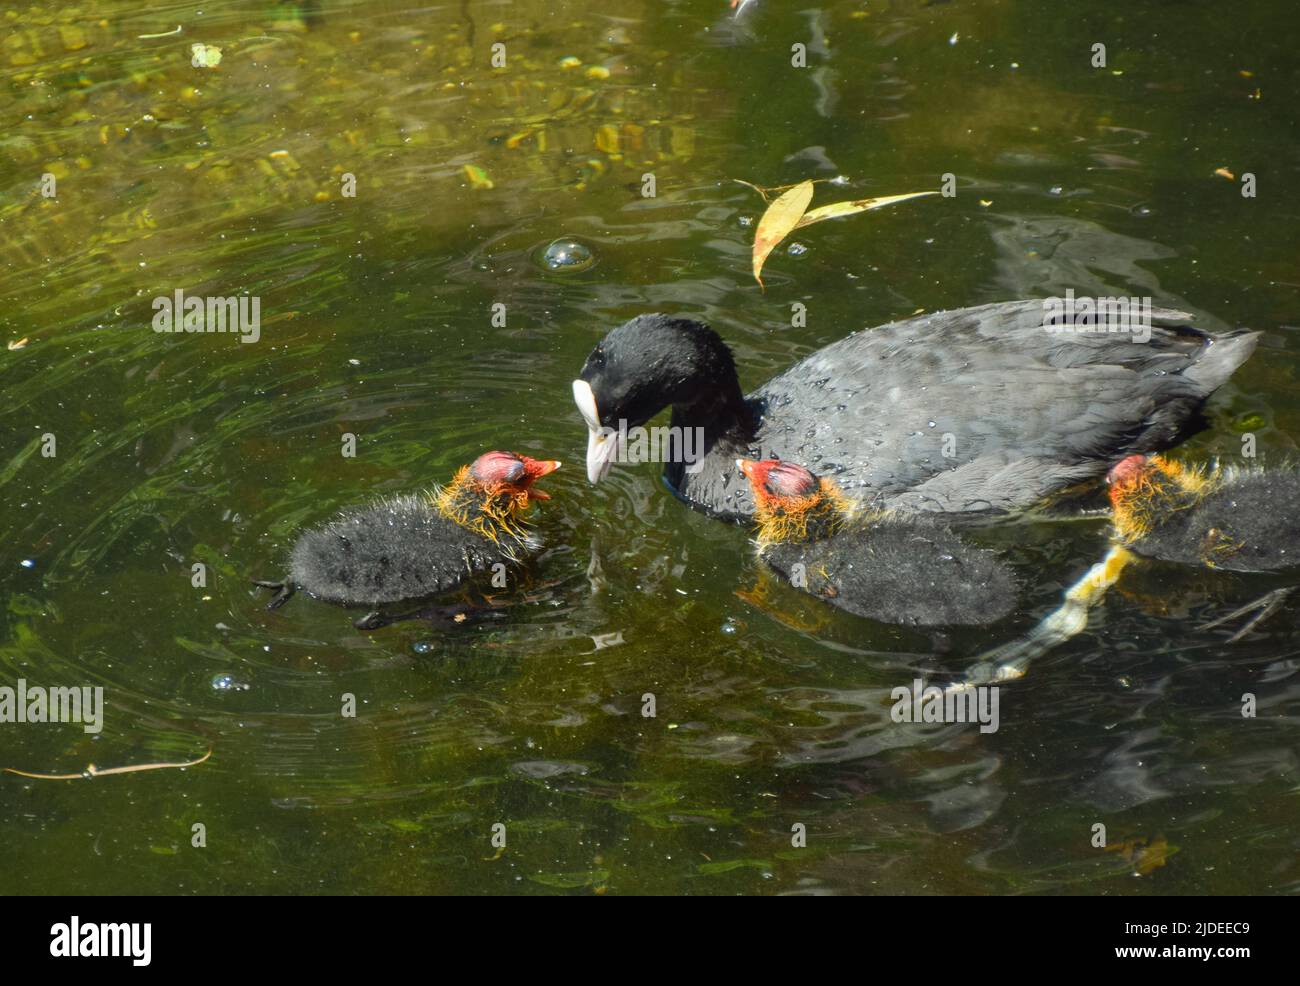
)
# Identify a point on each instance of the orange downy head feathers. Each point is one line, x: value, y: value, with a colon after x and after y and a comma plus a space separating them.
x: 791, y: 504
x: 490, y: 495
x: 1145, y: 488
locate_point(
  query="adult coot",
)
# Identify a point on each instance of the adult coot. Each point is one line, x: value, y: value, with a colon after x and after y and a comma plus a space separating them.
x: 895, y: 568
x: 419, y: 545
x: 979, y: 409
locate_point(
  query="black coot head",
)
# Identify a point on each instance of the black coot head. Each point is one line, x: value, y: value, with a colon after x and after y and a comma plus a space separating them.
x: 640, y: 368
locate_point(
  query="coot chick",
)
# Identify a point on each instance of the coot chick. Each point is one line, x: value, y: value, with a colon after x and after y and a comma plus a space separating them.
x: 418, y: 545
x: 1238, y: 520
x: 887, y: 566
x: 978, y: 409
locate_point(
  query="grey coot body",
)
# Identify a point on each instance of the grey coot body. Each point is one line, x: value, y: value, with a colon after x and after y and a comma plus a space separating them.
x: 907, y: 569
x: 1237, y: 520
x: 420, y: 545
x: 1023, y: 410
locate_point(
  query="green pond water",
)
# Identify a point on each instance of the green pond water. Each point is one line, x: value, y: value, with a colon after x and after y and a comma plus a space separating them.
x: 376, y: 321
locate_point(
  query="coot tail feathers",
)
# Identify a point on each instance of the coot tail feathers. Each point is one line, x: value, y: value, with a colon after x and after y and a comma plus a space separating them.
x: 1220, y: 358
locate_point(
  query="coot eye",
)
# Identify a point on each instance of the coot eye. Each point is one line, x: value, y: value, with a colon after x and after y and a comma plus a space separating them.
x: 594, y: 365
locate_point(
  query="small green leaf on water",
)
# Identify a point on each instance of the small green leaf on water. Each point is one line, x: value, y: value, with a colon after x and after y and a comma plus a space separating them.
x: 205, y: 56
x: 24, y: 605
x: 478, y: 178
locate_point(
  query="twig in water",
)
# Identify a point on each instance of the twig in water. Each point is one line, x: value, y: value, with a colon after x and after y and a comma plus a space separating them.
x: 93, y: 771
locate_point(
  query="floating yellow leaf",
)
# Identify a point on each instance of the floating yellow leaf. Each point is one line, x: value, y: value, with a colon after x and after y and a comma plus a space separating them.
x: 1225, y: 173
x: 1145, y: 858
x: 478, y: 178
x: 607, y: 139
x: 781, y: 217
x: 837, y: 209
x: 515, y: 140
x: 17, y: 343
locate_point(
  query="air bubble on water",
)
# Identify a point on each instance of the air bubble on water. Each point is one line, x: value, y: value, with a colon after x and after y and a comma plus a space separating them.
x: 567, y: 256
x: 224, y: 682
